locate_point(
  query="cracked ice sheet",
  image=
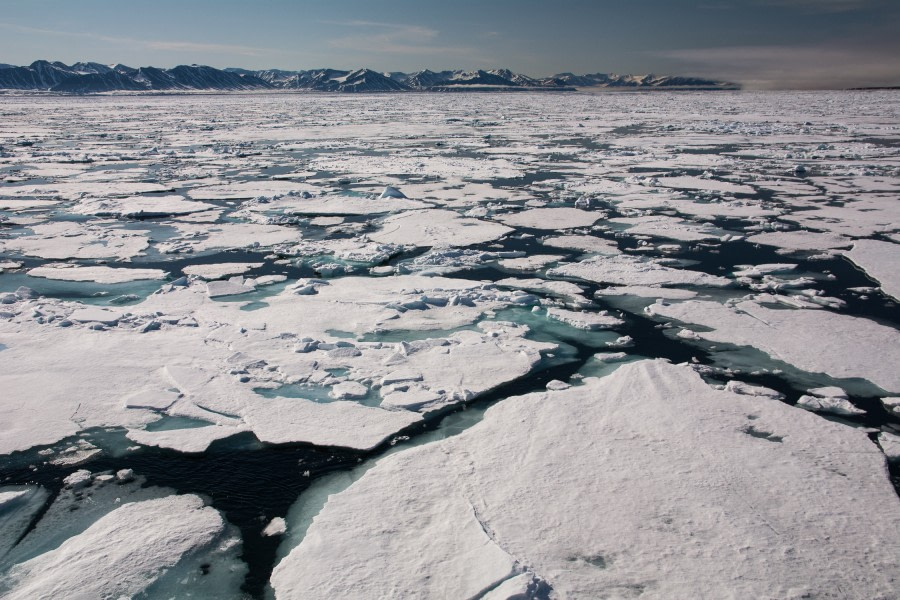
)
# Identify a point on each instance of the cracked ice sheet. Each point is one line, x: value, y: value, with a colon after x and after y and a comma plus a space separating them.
x: 816, y: 341
x: 200, y: 238
x: 858, y: 217
x: 880, y: 261
x: 63, y: 240
x: 809, y: 511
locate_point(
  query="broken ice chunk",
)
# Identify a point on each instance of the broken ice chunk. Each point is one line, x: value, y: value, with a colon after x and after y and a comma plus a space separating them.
x: 890, y: 444
x: 232, y: 287
x: 391, y: 192
x: 556, y: 385
x: 348, y: 390
x: 585, y: 320
x: 152, y: 399
x: 97, y: 315
x: 276, y: 526
x: 837, y: 406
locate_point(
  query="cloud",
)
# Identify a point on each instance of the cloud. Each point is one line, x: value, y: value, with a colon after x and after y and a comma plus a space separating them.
x: 392, y: 38
x: 824, y: 6
x: 792, y: 67
x: 162, y: 45
x: 805, y: 6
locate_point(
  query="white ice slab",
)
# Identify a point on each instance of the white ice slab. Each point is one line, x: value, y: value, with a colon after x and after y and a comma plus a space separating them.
x: 662, y: 510
x: 121, y: 554
x: 437, y: 228
x: 552, y: 218
x: 97, y: 274
x: 881, y: 261
x: 631, y: 270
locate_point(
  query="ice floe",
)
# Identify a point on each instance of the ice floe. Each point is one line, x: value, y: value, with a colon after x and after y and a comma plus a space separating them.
x: 881, y: 261
x: 147, y: 538
x: 97, y: 274
x: 816, y: 341
x: 468, y: 514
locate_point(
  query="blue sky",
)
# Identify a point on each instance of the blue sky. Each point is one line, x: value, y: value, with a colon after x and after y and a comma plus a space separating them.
x: 761, y: 43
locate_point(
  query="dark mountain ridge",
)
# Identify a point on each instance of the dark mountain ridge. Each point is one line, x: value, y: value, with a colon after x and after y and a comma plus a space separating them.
x: 92, y: 77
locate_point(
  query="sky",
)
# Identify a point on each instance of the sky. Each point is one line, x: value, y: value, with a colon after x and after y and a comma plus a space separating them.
x: 765, y: 44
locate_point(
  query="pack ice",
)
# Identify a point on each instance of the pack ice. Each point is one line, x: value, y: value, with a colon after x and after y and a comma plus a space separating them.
x: 449, y: 345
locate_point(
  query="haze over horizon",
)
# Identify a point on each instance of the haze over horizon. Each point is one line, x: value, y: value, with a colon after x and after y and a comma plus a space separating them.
x: 757, y: 43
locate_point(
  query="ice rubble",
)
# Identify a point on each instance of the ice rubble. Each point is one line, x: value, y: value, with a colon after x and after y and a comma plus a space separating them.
x: 145, y: 538
x: 816, y: 341
x: 653, y: 445
x: 223, y: 352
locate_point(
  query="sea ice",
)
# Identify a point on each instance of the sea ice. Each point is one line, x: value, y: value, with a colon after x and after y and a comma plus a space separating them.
x: 816, y: 341
x: 552, y: 218
x: 801, y: 515
x: 146, y: 538
x: 435, y: 227
x: 632, y: 270
x: 97, y: 274
x: 881, y: 261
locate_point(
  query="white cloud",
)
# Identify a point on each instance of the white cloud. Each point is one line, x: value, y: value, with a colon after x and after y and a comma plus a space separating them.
x: 392, y: 38
x: 163, y: 45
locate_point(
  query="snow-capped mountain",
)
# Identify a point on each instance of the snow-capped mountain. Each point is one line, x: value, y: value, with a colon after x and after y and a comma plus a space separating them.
x: 92, y: 77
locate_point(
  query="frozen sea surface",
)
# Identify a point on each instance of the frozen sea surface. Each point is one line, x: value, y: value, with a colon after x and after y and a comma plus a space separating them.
x: 493, y: 346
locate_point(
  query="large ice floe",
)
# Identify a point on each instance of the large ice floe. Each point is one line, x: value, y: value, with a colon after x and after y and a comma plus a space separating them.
x: 647, y: 483
x: 450, y: 346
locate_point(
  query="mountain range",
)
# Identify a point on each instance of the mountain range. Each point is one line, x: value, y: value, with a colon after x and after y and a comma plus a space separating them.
x: 91, y: 77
